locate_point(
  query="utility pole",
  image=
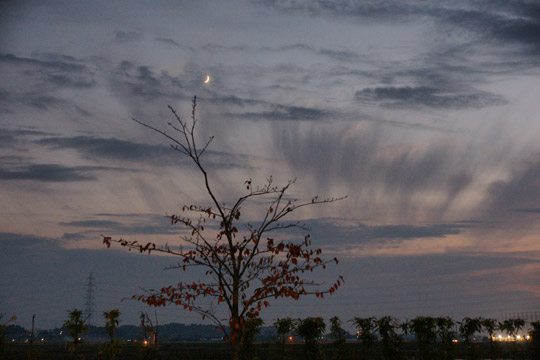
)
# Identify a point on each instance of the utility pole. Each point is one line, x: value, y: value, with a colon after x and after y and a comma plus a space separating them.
x: 89, y: 302
x: 32, y: 335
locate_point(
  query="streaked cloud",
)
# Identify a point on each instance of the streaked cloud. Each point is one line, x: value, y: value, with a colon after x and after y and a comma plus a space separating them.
x: 410, y: 97
x: 127, y: 36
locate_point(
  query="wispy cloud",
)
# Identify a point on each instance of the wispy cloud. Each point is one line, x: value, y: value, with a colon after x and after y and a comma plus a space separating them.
x: 423, y: 96
x: 168, y: 41
x: 49, y: 173
x: 127, y: 36
x: 60, y: 71
x: 286, y: 113
x: 112, y: 149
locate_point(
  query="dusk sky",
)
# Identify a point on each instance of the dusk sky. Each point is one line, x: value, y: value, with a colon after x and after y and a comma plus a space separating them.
x: 426, y: 114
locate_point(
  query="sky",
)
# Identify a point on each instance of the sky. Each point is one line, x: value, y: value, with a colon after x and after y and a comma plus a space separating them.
x: 424, y: 113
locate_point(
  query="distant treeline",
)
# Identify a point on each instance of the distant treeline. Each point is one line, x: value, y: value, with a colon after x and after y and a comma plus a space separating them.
x: 369, y: 326
x: 169, y: 332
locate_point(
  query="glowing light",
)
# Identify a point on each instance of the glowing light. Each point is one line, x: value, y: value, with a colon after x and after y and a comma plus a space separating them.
x: 207, y: 79
x: 290, y: 338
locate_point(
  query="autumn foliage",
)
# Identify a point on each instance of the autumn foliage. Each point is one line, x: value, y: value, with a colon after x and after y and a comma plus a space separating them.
x: 246, y: 266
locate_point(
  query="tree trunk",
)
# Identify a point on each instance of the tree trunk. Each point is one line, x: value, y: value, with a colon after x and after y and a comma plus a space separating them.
x: 235, y: 326
x: 235, y: 348
x: 235, y: 337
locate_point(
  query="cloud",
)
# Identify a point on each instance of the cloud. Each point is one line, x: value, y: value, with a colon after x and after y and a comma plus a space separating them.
x: 49, y: 173
x: 219, y: 47
x: 40, y: 78
x: 37, y: 100
x: 124, y: 224
x: 286, y: 113
x: 127, y: 36
x: 58, y: 70
x: 113, y: 149
x: 168, y: 41
x: 98, y: 149
x: 530, y: 210
x: 91, y: 223
x: 507, y: 24
x: 130, y: 80
x: 518, y: 194
x: 219, y: 99
x: 337, y: 232
x: 423, y: 96
x: 344, y: 55
x: 16, y: 139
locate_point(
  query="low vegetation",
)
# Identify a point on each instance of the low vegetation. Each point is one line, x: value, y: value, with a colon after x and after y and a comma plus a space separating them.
x: 385, y: 338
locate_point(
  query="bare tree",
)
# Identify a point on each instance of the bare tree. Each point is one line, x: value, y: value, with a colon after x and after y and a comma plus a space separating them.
x: 245, y: 266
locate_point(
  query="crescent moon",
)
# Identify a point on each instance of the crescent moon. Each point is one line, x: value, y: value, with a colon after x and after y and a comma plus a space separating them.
x: 207, y: 79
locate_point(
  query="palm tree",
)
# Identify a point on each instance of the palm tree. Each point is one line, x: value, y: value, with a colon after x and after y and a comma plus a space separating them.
x: 75, y: 325
x: 511, y: 327
x: 491, y: 325
x: 111, y: 350
x: 424, y: 329
x: 111, y: 322
x: 390, y: 339
x: 339, y: 335
x: 283, y: 327
x: 310, y: 329
x: 534, y: 345
x: 467, y: 328
x: 365, y: 334
x: 445, y: 330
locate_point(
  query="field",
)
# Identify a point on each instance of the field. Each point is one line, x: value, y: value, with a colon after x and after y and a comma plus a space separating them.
x: 219, y: 351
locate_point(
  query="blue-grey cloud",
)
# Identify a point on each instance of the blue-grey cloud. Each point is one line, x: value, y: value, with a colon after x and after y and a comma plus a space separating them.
x: 286, y: 113
x: 168, y: 41
x: 37, y: 100
x: 511, y: 18
x: 423, y: 96
x: 61, y: 71
x: 42, y: 76
x: 518, y: 194
x: 127, y: 36
x: 124, y: 224
x: 219, y: 99
x: 344, y: 55
x: 113, y: 149
x: 530, y: 210
x: 220, y: 47
x: 129, y: 80
x: 513, y: 26
x: 91, y: 223
x: 16, y: 139
x: 337, y: 234
x: 49, y: 173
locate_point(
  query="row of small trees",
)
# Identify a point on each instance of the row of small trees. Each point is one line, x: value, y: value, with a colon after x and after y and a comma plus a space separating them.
x: 435, y: 336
